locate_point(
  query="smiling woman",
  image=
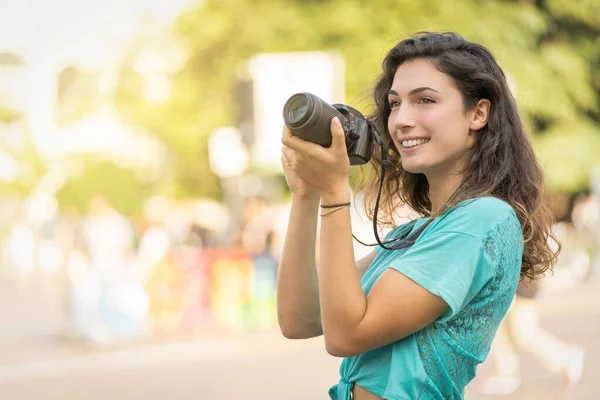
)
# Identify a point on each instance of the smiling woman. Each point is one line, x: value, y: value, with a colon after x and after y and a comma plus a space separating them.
x: 414, y: 322
x: 433, y: 116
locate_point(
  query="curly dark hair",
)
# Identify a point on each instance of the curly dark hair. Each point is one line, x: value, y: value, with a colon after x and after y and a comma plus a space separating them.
x: 502, y: 164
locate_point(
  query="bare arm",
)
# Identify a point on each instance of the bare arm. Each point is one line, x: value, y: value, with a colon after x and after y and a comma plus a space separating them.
x: 353, y: 324
x: 298, y: 308
x: 297, y: 286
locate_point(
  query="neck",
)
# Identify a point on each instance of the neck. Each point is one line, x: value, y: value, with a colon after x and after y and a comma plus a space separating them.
x: 441, y: 188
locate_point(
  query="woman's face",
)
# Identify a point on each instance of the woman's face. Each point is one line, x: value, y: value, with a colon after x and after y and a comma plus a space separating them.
x: 428, y: 122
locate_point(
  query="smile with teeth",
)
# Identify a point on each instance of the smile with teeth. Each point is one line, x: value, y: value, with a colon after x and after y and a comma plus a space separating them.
x: 413, y: 143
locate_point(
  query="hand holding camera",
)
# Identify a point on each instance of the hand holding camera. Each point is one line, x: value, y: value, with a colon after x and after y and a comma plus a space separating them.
x: 325, y: 170
x: 348, y: 143
x: 298, y: 186
x: 309, y: 117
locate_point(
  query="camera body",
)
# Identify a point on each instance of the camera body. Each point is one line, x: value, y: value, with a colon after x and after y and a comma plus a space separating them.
x: 359, y: 138
x: 309, y: 117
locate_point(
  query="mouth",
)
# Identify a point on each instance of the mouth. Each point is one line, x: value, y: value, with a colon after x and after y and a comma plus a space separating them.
x: 414, y: 143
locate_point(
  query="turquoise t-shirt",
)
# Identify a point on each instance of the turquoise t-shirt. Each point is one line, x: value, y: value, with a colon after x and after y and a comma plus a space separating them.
x: 471, y: 257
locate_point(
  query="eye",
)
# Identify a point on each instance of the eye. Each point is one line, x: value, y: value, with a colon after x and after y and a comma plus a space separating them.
x: 426, y: 100
x: 394, y: 103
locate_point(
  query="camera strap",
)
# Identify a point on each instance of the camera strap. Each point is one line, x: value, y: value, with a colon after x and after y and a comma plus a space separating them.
x: 403, y: 241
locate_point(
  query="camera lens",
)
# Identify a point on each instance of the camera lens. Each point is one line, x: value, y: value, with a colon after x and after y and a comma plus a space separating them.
x: 297, y: 109
x: 309, y: 117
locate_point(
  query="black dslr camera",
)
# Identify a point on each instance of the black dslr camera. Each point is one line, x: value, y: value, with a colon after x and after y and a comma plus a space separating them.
x: 309, y: 117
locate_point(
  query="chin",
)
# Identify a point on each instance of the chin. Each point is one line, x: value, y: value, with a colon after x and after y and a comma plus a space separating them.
x: 413, y: 168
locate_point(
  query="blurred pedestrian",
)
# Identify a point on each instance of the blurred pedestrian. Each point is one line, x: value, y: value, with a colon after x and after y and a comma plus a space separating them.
x: 108, y: 238
x: 586, y: 220
x: 258, y: 237
x: 595, y: 202
x: 521, y: 330
x: 414, y: 318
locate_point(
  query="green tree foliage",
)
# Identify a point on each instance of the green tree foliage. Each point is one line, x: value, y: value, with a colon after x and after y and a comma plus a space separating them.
x: 122, y: 187
x: 8, y: 59
x: 18, y: 145
x: 8, y: 116
x: 77, y: 95
x: 550, y: 53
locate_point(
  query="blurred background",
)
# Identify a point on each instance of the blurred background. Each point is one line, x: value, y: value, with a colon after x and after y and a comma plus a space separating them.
x: 143, y: 206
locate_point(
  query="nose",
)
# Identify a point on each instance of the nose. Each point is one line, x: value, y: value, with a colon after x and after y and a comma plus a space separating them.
x: 404, y: 118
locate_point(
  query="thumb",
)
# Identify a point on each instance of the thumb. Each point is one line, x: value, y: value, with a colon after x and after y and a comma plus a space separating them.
x: 338, y: 138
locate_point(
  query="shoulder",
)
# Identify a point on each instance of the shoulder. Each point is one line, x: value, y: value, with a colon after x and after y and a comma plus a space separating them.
x: 402, y: 229
x: 484, y: 207
x: 479, y: 217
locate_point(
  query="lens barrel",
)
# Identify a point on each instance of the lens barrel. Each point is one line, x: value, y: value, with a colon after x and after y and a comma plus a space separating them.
x: 309, y: 117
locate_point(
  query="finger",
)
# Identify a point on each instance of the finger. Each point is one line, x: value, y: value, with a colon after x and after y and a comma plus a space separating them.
x: 284, y: 162
x: 338, y: 138
x: 285, y: 132
x: 289, y: 155
x: 294, y: 142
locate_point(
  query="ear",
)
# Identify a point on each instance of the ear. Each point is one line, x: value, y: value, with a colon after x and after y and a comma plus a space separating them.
x: 480, y: 115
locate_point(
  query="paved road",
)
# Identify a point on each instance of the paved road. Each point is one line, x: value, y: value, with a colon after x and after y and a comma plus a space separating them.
x: 260, y: 366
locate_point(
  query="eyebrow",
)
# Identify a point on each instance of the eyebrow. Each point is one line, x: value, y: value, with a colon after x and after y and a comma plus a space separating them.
x: 414, y: 91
